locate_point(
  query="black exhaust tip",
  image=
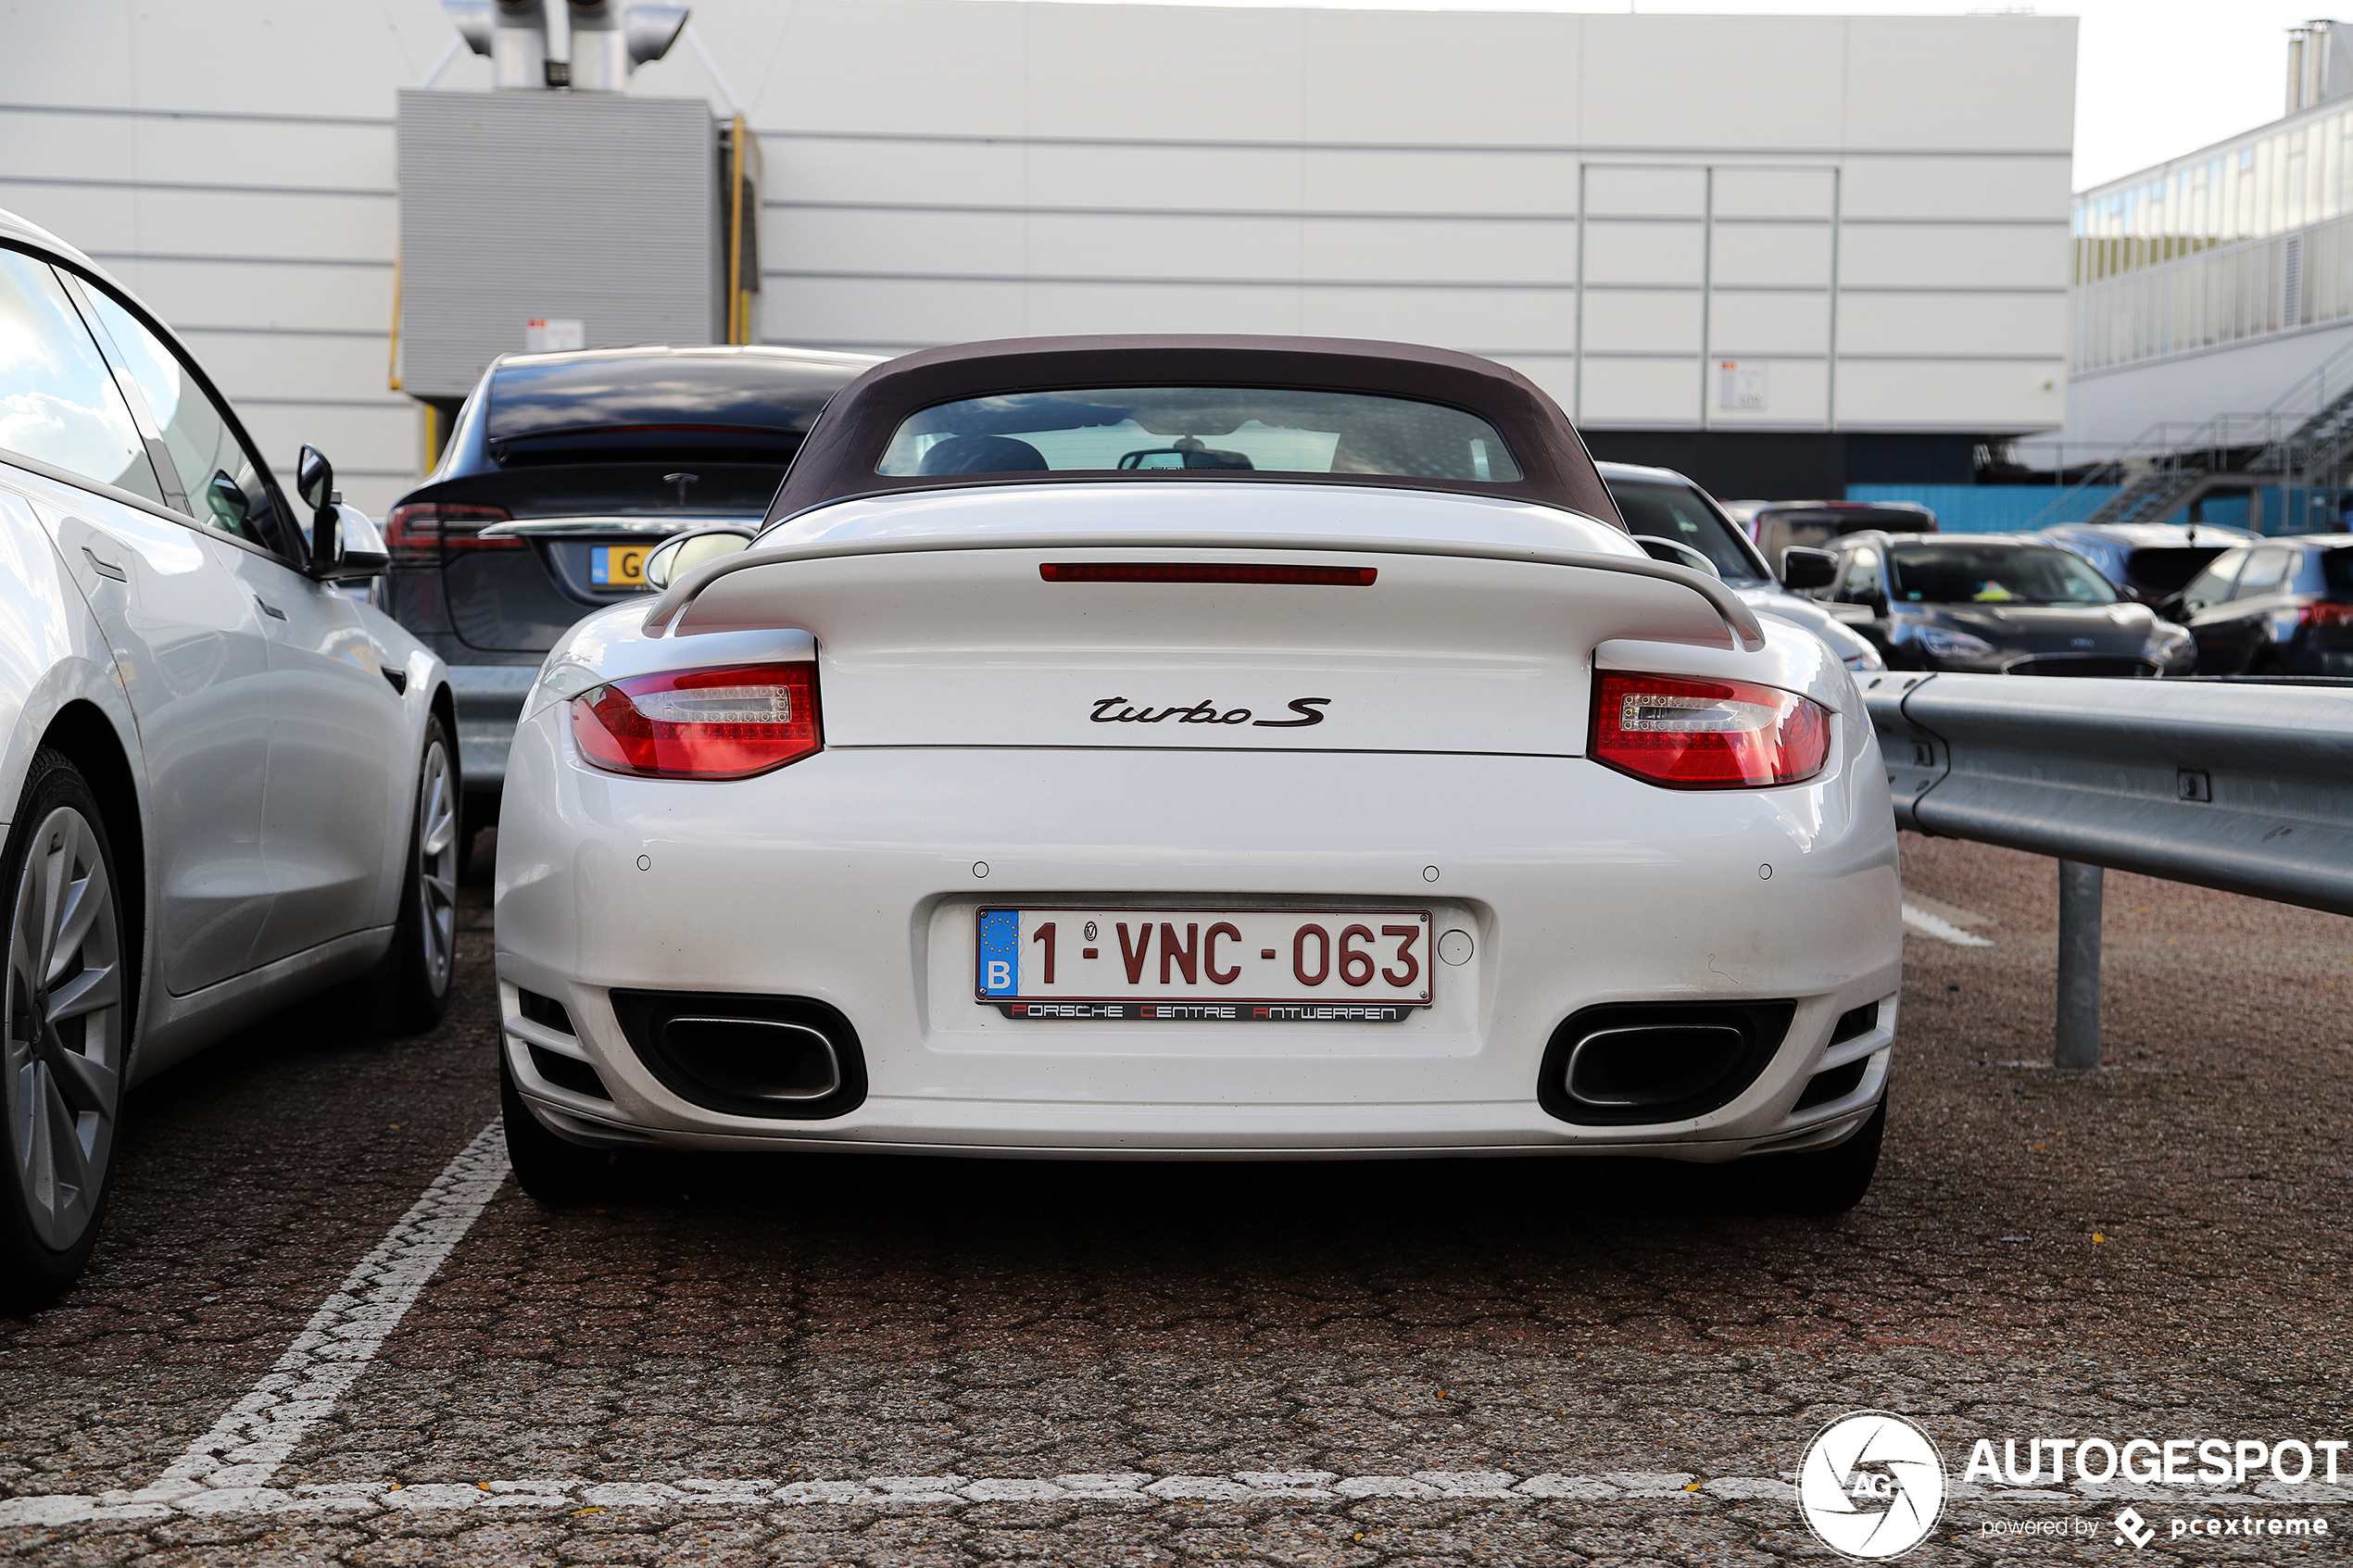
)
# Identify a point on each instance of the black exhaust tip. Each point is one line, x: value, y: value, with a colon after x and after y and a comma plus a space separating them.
x: 784, y: 1058
x: 1628, y: 1063
x: 754, y: 1058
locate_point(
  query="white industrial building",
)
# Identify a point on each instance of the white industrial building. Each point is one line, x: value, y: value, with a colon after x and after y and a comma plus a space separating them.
x: 2214, y: 282
x: 1780, y: 252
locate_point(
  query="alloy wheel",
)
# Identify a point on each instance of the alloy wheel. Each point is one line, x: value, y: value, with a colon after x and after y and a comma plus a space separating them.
x: 437, y: 865
x: 66, y: 1028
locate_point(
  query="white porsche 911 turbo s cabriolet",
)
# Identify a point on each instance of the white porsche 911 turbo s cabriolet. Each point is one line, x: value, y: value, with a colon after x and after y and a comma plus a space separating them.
x: 1196, y: 748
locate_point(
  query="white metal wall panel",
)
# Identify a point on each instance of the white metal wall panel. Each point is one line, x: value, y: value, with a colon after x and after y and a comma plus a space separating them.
x: 294, y: 295
x: 1626, y: 321
x: 864, y: 172
x: 1181, y: 72
x: 1387, y: 250
x: 1125, y: 177
x: 896, y: 241
x: 1640, y: 394
x: 1929, y: 255
x: 1942, y: 395
x: 1163, y: 308
x: 1945, y: 326
x: 1938, y: 83
x: 1418, y: 180
x: 1497, y: 321
x: 1752, y: 325
x: 1366, y: 76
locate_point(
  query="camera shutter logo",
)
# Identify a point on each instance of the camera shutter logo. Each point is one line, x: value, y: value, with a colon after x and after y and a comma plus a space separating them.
x: 1871, y: 1484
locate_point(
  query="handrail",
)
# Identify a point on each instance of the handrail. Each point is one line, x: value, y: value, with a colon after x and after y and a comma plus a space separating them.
x: 2215, y: 437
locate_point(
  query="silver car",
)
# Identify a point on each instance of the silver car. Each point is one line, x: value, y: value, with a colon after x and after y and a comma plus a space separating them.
x: 230, y: 784
x: 1677, y: 521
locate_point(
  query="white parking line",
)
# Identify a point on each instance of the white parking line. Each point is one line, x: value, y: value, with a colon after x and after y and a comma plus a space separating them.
x: 1311, y: 1487
x: 1944, y: 930
x: 1131, y: 1486
x: 246, y: 1447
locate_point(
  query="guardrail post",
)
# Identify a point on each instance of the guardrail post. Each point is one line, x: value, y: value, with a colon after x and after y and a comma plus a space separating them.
x: 2079, y: 966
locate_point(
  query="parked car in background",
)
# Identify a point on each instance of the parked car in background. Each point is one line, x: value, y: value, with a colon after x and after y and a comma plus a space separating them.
x: 1998, y: 604
x: 2279, y: 607
x: 561, y: 475
x: 228, y: 784
x: 1661, y: 505
x: 2151, y: 561
x: 1778, y: 524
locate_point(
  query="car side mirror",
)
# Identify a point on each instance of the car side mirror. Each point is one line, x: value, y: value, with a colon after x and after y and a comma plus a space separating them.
x: 357, y: 544
x: 314, y: 478
x: 1805, y: 569
x: 681, y: 553
x: 315, y: 482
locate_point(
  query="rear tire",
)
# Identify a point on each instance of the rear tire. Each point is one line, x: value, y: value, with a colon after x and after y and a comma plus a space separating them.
x: 1822, y: 1181
x: 408, y: 992
x: 70, y: 992
x: 556, y: 1171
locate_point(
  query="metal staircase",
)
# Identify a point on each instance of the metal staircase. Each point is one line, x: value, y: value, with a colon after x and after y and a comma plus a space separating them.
x: 2160, y: 472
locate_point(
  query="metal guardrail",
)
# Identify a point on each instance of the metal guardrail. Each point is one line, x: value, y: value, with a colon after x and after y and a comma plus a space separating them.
x: 2246, y: 788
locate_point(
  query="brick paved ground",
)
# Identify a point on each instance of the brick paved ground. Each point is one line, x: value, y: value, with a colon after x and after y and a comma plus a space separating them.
x: 2158, y: 1249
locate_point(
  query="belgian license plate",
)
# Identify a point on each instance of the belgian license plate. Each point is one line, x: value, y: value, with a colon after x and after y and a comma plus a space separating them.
x: 618, y: 566
x: 1243, y: 966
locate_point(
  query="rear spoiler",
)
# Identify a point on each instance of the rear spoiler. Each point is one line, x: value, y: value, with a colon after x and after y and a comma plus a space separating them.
x: 1738, y: 619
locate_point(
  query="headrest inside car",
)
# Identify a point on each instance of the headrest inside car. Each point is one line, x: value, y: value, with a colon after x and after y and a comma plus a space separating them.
x: 983, y: 454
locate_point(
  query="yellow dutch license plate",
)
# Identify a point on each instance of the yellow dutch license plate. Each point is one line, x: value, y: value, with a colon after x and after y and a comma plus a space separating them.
x: 618, y: 566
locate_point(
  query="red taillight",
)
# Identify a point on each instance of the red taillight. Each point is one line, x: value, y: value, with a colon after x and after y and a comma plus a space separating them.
x: 418, y: 533
x: 1192, y: 571
x: 723, y: 723
x: 2323, y: 613
x: 1689, y: 733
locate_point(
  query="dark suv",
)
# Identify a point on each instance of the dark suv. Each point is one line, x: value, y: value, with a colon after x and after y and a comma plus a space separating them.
x: 2279, y: 607
x: 562, y: 472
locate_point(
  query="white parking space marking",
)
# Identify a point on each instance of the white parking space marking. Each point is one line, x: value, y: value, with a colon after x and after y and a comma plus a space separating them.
x: 1944, y: 930
x: 1311, y: 1487
x: 246, y: 1447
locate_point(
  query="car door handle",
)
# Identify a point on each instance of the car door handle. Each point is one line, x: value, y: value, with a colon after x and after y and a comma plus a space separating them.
x: 270, y: 609
x: 104, y: 568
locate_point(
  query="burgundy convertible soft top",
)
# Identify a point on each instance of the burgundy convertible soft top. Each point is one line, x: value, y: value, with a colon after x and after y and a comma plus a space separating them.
x: 842, y: 451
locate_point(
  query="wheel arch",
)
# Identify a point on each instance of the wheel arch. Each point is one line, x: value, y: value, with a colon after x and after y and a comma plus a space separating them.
x: 84, y: 735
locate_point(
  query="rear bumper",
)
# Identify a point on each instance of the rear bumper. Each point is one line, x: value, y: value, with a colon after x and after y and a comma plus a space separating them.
x: 851, y: 879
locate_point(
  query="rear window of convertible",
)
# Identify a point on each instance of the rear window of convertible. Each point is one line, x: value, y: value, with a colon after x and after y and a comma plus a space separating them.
x: 1111, y: 430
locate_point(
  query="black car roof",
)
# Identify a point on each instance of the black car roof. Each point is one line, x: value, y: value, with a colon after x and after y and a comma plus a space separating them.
x: 842, y: 453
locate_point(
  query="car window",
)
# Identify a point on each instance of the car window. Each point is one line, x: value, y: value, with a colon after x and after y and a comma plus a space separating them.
x: 58, y: 403
x: 2336, y: 566
x: 1860, y: 580
x: 1108, y: 429
x: 2030, y: 574
x: 2212, y: 587
x: 717, y: 406
x: 219, y: 479
x: 1660, y: 510
x: 2167, y: 569
x: 2266, y: 573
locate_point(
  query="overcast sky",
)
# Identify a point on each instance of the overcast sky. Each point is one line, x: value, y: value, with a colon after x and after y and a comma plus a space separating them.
x: 2154, y: 78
